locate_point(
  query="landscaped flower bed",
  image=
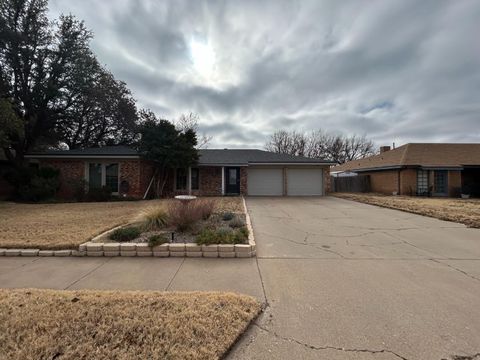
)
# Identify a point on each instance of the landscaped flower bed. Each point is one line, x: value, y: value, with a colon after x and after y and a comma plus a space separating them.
x: 182, y: 228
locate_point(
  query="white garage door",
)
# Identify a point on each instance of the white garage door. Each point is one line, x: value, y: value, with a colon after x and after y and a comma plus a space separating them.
x: 303, y: 182
x: 268, y: 182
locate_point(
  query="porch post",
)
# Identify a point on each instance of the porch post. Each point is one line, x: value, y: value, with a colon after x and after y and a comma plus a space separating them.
x: 223, y: 180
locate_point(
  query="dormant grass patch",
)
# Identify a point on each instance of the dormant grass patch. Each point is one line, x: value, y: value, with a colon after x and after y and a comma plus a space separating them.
x: 457, y: 210
x: 67, y: 225
x: 49, y: 324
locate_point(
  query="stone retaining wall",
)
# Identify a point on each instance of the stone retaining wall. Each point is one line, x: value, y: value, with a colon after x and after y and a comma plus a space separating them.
x: 143, y: 250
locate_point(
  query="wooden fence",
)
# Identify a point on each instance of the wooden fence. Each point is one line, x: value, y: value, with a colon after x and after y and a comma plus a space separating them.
x: 360, y: 183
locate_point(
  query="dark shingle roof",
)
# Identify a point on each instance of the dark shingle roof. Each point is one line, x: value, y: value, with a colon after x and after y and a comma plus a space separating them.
x: 119, y: 150
x: 248, y: 156
x: 207, y: 156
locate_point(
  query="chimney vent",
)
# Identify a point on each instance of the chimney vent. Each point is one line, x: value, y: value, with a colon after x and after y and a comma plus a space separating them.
x: 384, y: 149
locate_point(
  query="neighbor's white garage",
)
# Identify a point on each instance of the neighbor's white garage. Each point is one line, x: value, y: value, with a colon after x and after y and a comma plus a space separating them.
x: 301, y: 181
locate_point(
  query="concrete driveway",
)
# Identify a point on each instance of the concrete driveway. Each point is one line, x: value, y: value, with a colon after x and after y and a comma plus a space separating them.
x: 345, y: 280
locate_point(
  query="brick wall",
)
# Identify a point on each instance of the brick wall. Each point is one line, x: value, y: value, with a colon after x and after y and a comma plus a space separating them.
x: 210, y: 178
x: 243, y: 180
x: 385, y: 182
x: 408, y: 182
x: 454, y: 183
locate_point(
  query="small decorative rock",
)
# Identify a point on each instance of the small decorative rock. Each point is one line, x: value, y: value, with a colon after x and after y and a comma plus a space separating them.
x: 94, y: 246
x: 45, y: 253
x: 12, y: 252
x: 143, y: 247
x: 242, y: 248
x: 177, y: 247
x: 226, y: 248
x: 78, y: 253
x: 209, y: 248
x: 111, y: 247
x: 62, y: 253
x: 29, y: 252
x: 128, y: 247
x: 161, y: 248
x: 193, y: 247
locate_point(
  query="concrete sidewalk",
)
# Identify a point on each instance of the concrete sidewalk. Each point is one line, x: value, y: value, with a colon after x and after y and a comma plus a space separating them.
x: 172, y: 274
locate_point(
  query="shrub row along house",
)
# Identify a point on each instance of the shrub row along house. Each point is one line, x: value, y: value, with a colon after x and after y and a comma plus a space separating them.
x: 421, y: 169
x: 218, y: 172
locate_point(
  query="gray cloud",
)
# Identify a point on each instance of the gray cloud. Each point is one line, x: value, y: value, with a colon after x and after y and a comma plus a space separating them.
x: 398, y: 71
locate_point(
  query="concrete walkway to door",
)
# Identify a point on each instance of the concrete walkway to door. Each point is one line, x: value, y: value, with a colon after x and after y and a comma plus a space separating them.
x: 345, y: 280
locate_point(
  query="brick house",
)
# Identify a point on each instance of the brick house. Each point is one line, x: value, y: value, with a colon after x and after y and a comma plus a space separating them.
x: 218, y: 172
x: 421, y: 169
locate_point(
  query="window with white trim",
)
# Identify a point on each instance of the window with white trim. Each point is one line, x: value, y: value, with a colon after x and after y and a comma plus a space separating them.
x: 103, y: 174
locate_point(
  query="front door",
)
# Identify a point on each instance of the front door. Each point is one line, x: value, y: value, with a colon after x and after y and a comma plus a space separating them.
x: 232, y: 180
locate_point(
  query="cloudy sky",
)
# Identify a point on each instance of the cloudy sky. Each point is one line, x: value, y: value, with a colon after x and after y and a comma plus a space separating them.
x: 397, y: 71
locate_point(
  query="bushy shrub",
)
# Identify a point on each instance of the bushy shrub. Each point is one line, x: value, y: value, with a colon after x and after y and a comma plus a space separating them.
x: 125, y: 234
x: 236, y: 222
x: 227, y: 216
x: 158, y: 239
x: 33, y: 184
x: 154, y: 218
x: 241, y: 235
x: 223, y: 235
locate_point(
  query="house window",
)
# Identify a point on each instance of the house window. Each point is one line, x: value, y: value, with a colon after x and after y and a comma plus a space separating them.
x: 194, y: 178
x: 422, y: 182
x: 101, y: 174
x: 111, y: 177
x: 181, y: 179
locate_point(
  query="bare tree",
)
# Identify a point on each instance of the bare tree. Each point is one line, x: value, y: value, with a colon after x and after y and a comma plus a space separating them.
x: 191, y: 121
x: 321, y: 144
x: 284, y: 142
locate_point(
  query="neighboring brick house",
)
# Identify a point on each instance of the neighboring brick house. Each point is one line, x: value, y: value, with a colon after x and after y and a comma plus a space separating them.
x: 218, y: 172
x: 421, y: 169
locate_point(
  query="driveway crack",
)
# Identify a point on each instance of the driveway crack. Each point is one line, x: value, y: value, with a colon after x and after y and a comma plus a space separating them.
x: 328, y: 347
x: 456, y: 269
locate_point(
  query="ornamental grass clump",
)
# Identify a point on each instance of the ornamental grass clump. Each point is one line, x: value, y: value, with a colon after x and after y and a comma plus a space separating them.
x: 183, y: 215
x: 154, y: 218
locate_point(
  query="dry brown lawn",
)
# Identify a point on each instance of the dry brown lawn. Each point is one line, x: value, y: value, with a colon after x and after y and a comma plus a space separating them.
x: 51, y: 324
x: 457, y: 210
x: 65, y: 226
